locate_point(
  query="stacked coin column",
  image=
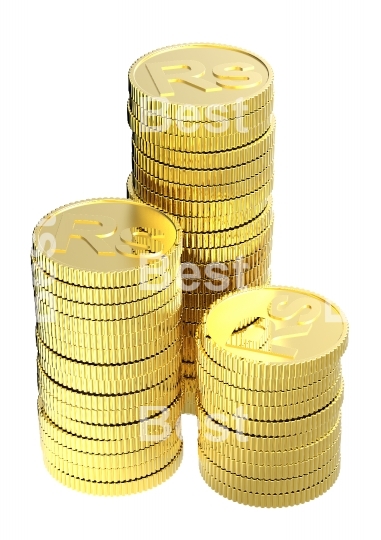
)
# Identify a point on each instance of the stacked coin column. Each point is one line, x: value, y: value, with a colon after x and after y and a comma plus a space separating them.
x: 270, y: 395
x: 214, y: 175
x: 108, y: 306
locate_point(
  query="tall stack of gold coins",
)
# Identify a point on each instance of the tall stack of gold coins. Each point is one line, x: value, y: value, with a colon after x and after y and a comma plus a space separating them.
x: 202, y: 149
x: 270, y: 395
x: 108, y: 307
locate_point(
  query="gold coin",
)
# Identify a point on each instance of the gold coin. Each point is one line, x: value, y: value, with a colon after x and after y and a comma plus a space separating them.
x: 105, y: 297
x: 195, y: 314
x: 106, y: 386
x: 190, y: 387
x: 212, y: 185
x: 55, y: 320
x: 208, y: 160
x: 272, y: 472
x: 54, y: 335
x: 127, y: 487
x: 242, y: 380
x: 106, y: 243
x: 214, y: 275
x: 208, y: 291
x: 270, y: 501
x: 280, y: 437
x: 189, y: 329
x: 265, y: 407
x: 206, y: 209
x: 255, y: 336
x: 117, y: 312
x: 277, y: 457
x: 189, y: 343
x: 279, y: 392
x: 113, y: 439
x: 203, y: 224
x: 190, y: 355
x: 232, y: 236
x: 322, y: 420
x: 213, y: 181
x: 215, y: 78
x: 104, y: 403
x: 188, y: 369
x: 128, y: 351
x: 122, y: 474
x: 48, y: 304
x: 269, y: 487
x: 111, y: 461
x: 110, y: 417
x: 308, y: 332
x: 108, y: 378
x: 237, y: 253
x: 194, y: 143
x: 99, y: 339
x: 182, y: 127
x: 110, y: 312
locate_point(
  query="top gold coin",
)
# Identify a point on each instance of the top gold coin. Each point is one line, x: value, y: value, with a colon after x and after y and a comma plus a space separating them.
x: 201, y: 82
x: 307, y: 334
x: 107, y: 243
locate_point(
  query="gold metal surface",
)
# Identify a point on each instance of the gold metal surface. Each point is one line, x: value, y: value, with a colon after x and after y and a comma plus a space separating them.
x: 108, y: 312
x: 196, y: 223
x: 112, y: 439
x: 133, y: 329
x: 104, y: 242
x: 109, y: 378
x: 277, y: 455
x: 208, y: 160
x: 190, y: 388
x: 191, y: 184
x: 126, y: 487
x: 271, y: 472
x: 269, y: 436
x: 270, y: 501
x: 201, y: 74
x: 126, y: 353
x: 308, y: 332
x: 126, y: 472
x: 199, y: 144
x: 105, y: 296
x: 265, y: 407
x: 274, y: 486
x: 205, y: 209
x: 244, y: 123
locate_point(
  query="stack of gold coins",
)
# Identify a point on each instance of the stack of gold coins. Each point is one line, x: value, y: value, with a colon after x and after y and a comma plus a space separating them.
x: 202, y: 149
x: 108, y: 306
x: 270, y: 395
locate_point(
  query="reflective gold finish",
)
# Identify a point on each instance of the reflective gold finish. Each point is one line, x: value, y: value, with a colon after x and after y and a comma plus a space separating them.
x: 308, y: 333
x: 107, y: 285
x: 205, y: 160
x: 133, y: 329
x: 112, y: 488
x: 203, y: 151
x: 104, y: 242
x: 272, y: 500
x: 200, y: 77
x: 270, y: 391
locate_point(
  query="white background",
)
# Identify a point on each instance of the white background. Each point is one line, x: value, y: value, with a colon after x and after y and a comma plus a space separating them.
x: 64, y: 137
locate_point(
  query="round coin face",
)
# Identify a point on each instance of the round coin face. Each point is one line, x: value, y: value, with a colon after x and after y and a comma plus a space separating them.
x: 301, y: 325
x: 105, y: 235
x: 201, y: 74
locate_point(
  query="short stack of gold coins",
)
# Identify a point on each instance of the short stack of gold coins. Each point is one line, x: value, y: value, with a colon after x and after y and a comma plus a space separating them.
x: 270, y: 395
x: 108, y: 307
x: 202, y: 150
